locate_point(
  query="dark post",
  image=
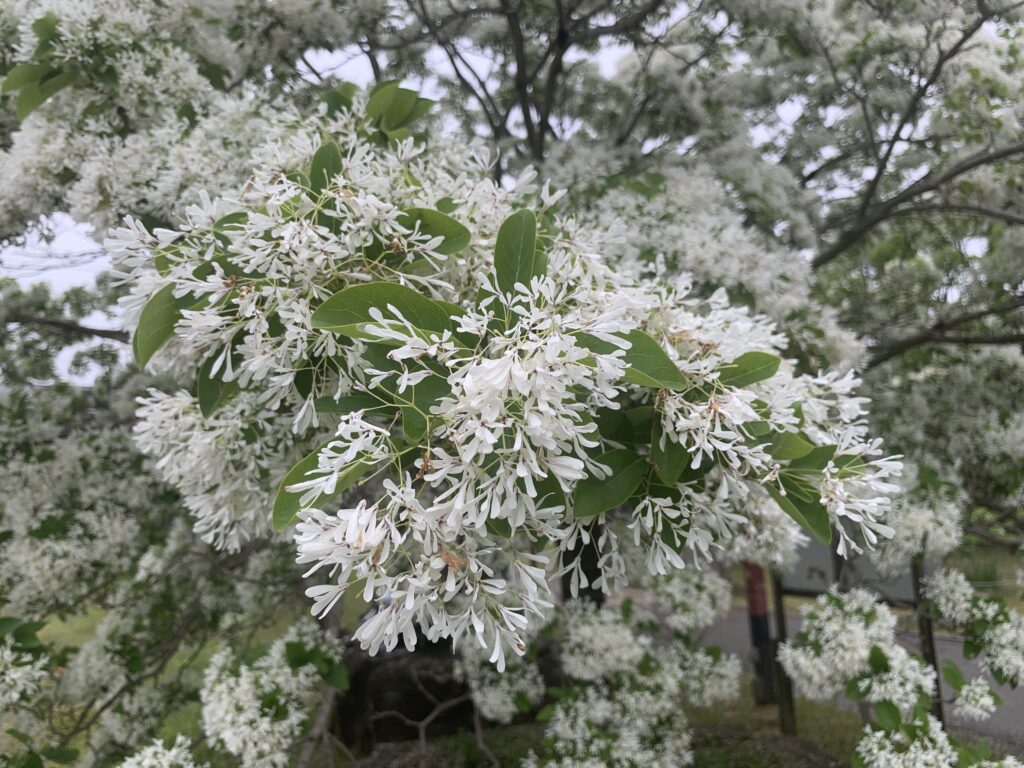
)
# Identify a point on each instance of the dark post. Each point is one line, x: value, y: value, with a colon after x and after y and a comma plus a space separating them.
x: 927, y: 633
x: 760, y: 634
x: 783, y: 685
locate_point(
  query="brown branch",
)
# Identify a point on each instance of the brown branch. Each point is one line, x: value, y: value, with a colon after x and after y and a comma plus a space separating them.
x: 910, y: 112
x: 70, y: 326
x: 983, y: 211
x: 887, y: 209
x: 625, y: 25
x: 478, y: 730
x: 521, y: 81
x: 320, y: 726
x: 937, y: 335
x: 421, y: 725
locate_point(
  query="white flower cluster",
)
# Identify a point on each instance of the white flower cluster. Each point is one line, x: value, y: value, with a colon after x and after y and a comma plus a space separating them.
x: 157, y: 755
x: 624, y: 728
x: 903, y: 681
x: 769, y: 537
x: 895, y: 749
x: 622, y: 714
x: 20, y: 674
x: 209, y: 459
x: 849, y: 639
x: 499, y: 696
x: 709, y: 676
x: 997, y: 631
x: 257, y: 711
x: 69, y: 503
x: 929, y: 526
x: 483, y: 398
x: 599, y: 644
x: 953, y: 596
x: 975, y: 700
x: 1003, y: 655
x: 835, y: 640
x: 681, y: 220
x: 691, y: 598
x: 159, y: 100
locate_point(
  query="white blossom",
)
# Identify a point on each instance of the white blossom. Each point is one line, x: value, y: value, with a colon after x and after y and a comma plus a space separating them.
x: 975, y: 700
x: 158, y: 756
x: 20, y: 674
x: 881, y: 749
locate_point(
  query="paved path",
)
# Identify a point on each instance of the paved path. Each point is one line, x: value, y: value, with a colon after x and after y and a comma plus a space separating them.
x: 1005, y: 729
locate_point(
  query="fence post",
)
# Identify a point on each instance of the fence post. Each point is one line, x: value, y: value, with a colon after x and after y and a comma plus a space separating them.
x: 783, y: 685
x: 760, y: 634
x: 927, y: 633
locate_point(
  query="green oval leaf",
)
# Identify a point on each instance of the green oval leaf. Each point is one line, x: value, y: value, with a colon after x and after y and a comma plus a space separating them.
x: 61, y: 755
x: 286, y: 504
x: 813, y: 461
x: 951, y: 674
x: 593, y: 496
x: 349, y: 309
x: 515, y: 251
x: 670, y: 460
x: 324, y: 167
x: 649, y: 364
x: 748, y: 368
x: 156, y: 325
x: 790, y: 445
x: 213, y: 392
x: 888, y: 715
x: 808, y: 512
x: 436, y: 224
x: 23, y: 74
x: 400, y: 105
x: 878, y: 661
x: 380, y: 98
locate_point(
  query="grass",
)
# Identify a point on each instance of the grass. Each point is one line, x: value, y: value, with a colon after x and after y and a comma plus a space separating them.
x: 72, y: 631
x: 991, y: 570
x: 734, y: 728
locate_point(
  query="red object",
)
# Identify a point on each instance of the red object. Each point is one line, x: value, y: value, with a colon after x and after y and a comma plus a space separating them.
x: 757, y: 600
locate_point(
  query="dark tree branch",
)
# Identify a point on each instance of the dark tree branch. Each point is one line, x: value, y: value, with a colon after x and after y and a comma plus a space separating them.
x: 70, y: 327
x: 320, y: 727
x: 623, y: 26
x: 929, y: 183
x: 521, y: 81
x: 941, y: 336
x: 983, y: 211
x: 910, y: 112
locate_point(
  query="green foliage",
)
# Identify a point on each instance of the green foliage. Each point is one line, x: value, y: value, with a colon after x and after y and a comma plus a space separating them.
x: 594, y: 496
x: 888, y: 715
x: 347, y: 311
x: 649, y: 364
x: 749, y: 368
x: 156, y: 325
x: 391, y: 110
x: 801, y: 502
x: 669, y: 457
x: 212, y: 391
x: 516, y: 256
x: 325, y: 166
x: 286, y: 503
x: 437, y: 224
x: 951, y: 674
